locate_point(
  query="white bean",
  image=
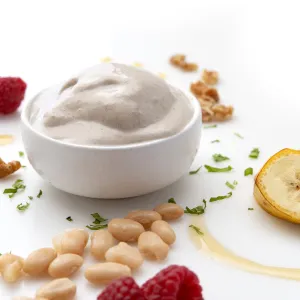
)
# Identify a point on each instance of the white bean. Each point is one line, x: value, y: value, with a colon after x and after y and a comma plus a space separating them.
x: 58, y: 289
x: 164, y: 230
x: 101, y: 241
x: 11, y: 267
x: 126, y: 255
x: 144, y: 217
x: 38, y: 261
x: 104, y: 273
x: 65, y: 265
x: 169, y: 211
x: 152, y: 246
x: 125, y: 230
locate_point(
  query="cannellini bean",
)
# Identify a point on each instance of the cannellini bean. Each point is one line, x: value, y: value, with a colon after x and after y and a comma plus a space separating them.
x: 11, y: 267
x: 164, y: 230
x: 65, y: 265
x: 144, y: 217
x: 104, y: 273
x: 152, y: 246
x: 101, y: 241
x: 71, y: 241
x: 58, y: 289
x: 38, y: 261
x: 125, y: 255
x: 169, y: 211
x: 125, y: 230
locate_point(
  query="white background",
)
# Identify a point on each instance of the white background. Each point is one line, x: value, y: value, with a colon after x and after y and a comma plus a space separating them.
x: 255, y: 47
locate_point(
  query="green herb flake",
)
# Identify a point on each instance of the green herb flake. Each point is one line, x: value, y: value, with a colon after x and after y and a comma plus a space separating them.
x: 238, y: 135
x: 21, y: 153
x: 24, y: 167
x: 23, y: 207
x: 248, y: 171
x: 215, y: 141
x: 250, y: 208
x: 98, y: 218
x: 217, y: 170
x: 172, y: 200
x: 10, y: 191
x: 214, y: 199
x: 97, y: 223
x: 30, y: 197
x: 219, y: 157
x: 197, y: 229
x: 195, y: 171
x: 40, y: 194
x: 198, y: 210
x: 69, y: 219
x: 211, y: 126
x: 231, y: 185
x: 96, y: 226
x: 254, y: 153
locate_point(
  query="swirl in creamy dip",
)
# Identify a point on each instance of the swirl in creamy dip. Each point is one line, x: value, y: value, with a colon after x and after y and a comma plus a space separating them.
x: 113, y: 104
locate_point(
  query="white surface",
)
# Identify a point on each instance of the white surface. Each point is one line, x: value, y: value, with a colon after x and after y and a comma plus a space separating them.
x: 111, y: 172
x: 255, y: 47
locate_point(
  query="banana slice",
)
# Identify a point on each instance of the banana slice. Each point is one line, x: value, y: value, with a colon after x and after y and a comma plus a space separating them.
x: 277, y: 185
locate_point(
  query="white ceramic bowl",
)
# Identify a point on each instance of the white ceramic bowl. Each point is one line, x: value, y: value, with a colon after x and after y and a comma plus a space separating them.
x: 112, y: 171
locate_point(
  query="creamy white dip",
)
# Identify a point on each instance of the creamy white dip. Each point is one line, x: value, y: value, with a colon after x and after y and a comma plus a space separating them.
x: 112, y: 104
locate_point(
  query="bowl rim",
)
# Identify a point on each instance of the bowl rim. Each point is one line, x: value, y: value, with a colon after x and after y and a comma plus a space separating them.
x: 197, y: 116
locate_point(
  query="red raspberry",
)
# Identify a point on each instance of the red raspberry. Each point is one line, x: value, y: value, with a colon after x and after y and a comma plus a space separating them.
x: 12, y: 92
x: 122, y: 289
x: 173, y: 283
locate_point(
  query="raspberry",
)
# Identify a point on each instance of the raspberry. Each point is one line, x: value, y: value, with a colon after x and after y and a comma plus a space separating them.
x: 173, y: 283
x: 122, y: 289
x: 12, y: 92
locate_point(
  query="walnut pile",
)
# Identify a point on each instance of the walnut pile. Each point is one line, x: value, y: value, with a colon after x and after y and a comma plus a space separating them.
x: 8, y: 168
x: 209, y: 99
x: 178, y: 60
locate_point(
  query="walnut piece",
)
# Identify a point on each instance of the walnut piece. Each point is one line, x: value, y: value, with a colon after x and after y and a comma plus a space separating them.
x: 210, y: 77
x: 8, y: 168
x: 201, y: 90
x: 178, y: 60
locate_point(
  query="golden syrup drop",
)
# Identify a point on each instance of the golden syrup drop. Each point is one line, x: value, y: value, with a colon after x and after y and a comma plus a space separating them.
x: 6, y: 139
x: 215, y: 249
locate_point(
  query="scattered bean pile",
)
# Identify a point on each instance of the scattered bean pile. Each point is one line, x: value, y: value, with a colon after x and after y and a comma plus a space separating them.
x: 146, y: 227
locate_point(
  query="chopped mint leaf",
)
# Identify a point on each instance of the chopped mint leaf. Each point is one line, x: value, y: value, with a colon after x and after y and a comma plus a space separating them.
x: 30, y: 197
x: 21, y: 153
x: 198, y: 210
x: 215, y: 170
x: 195, y: 171
x: 23, y: 207
x: 97, y: 222
x: 96, y: 226
x: 230, y: 185
x: 19, y: 185
x: 172, y: 200
x: 213, y: 199
x: 235, y: 182
x: 238, y: 135
x: 10, y: 191
x: 197, y: 229
x: 69, y: 219
x: 254, y: 153
x: 250, y: 208
x: 40, y: 194
x: 215, y: 141
x: 219, y: 157
x: 211, y: 126
x: 98, y: 218
x: 248, y: 171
